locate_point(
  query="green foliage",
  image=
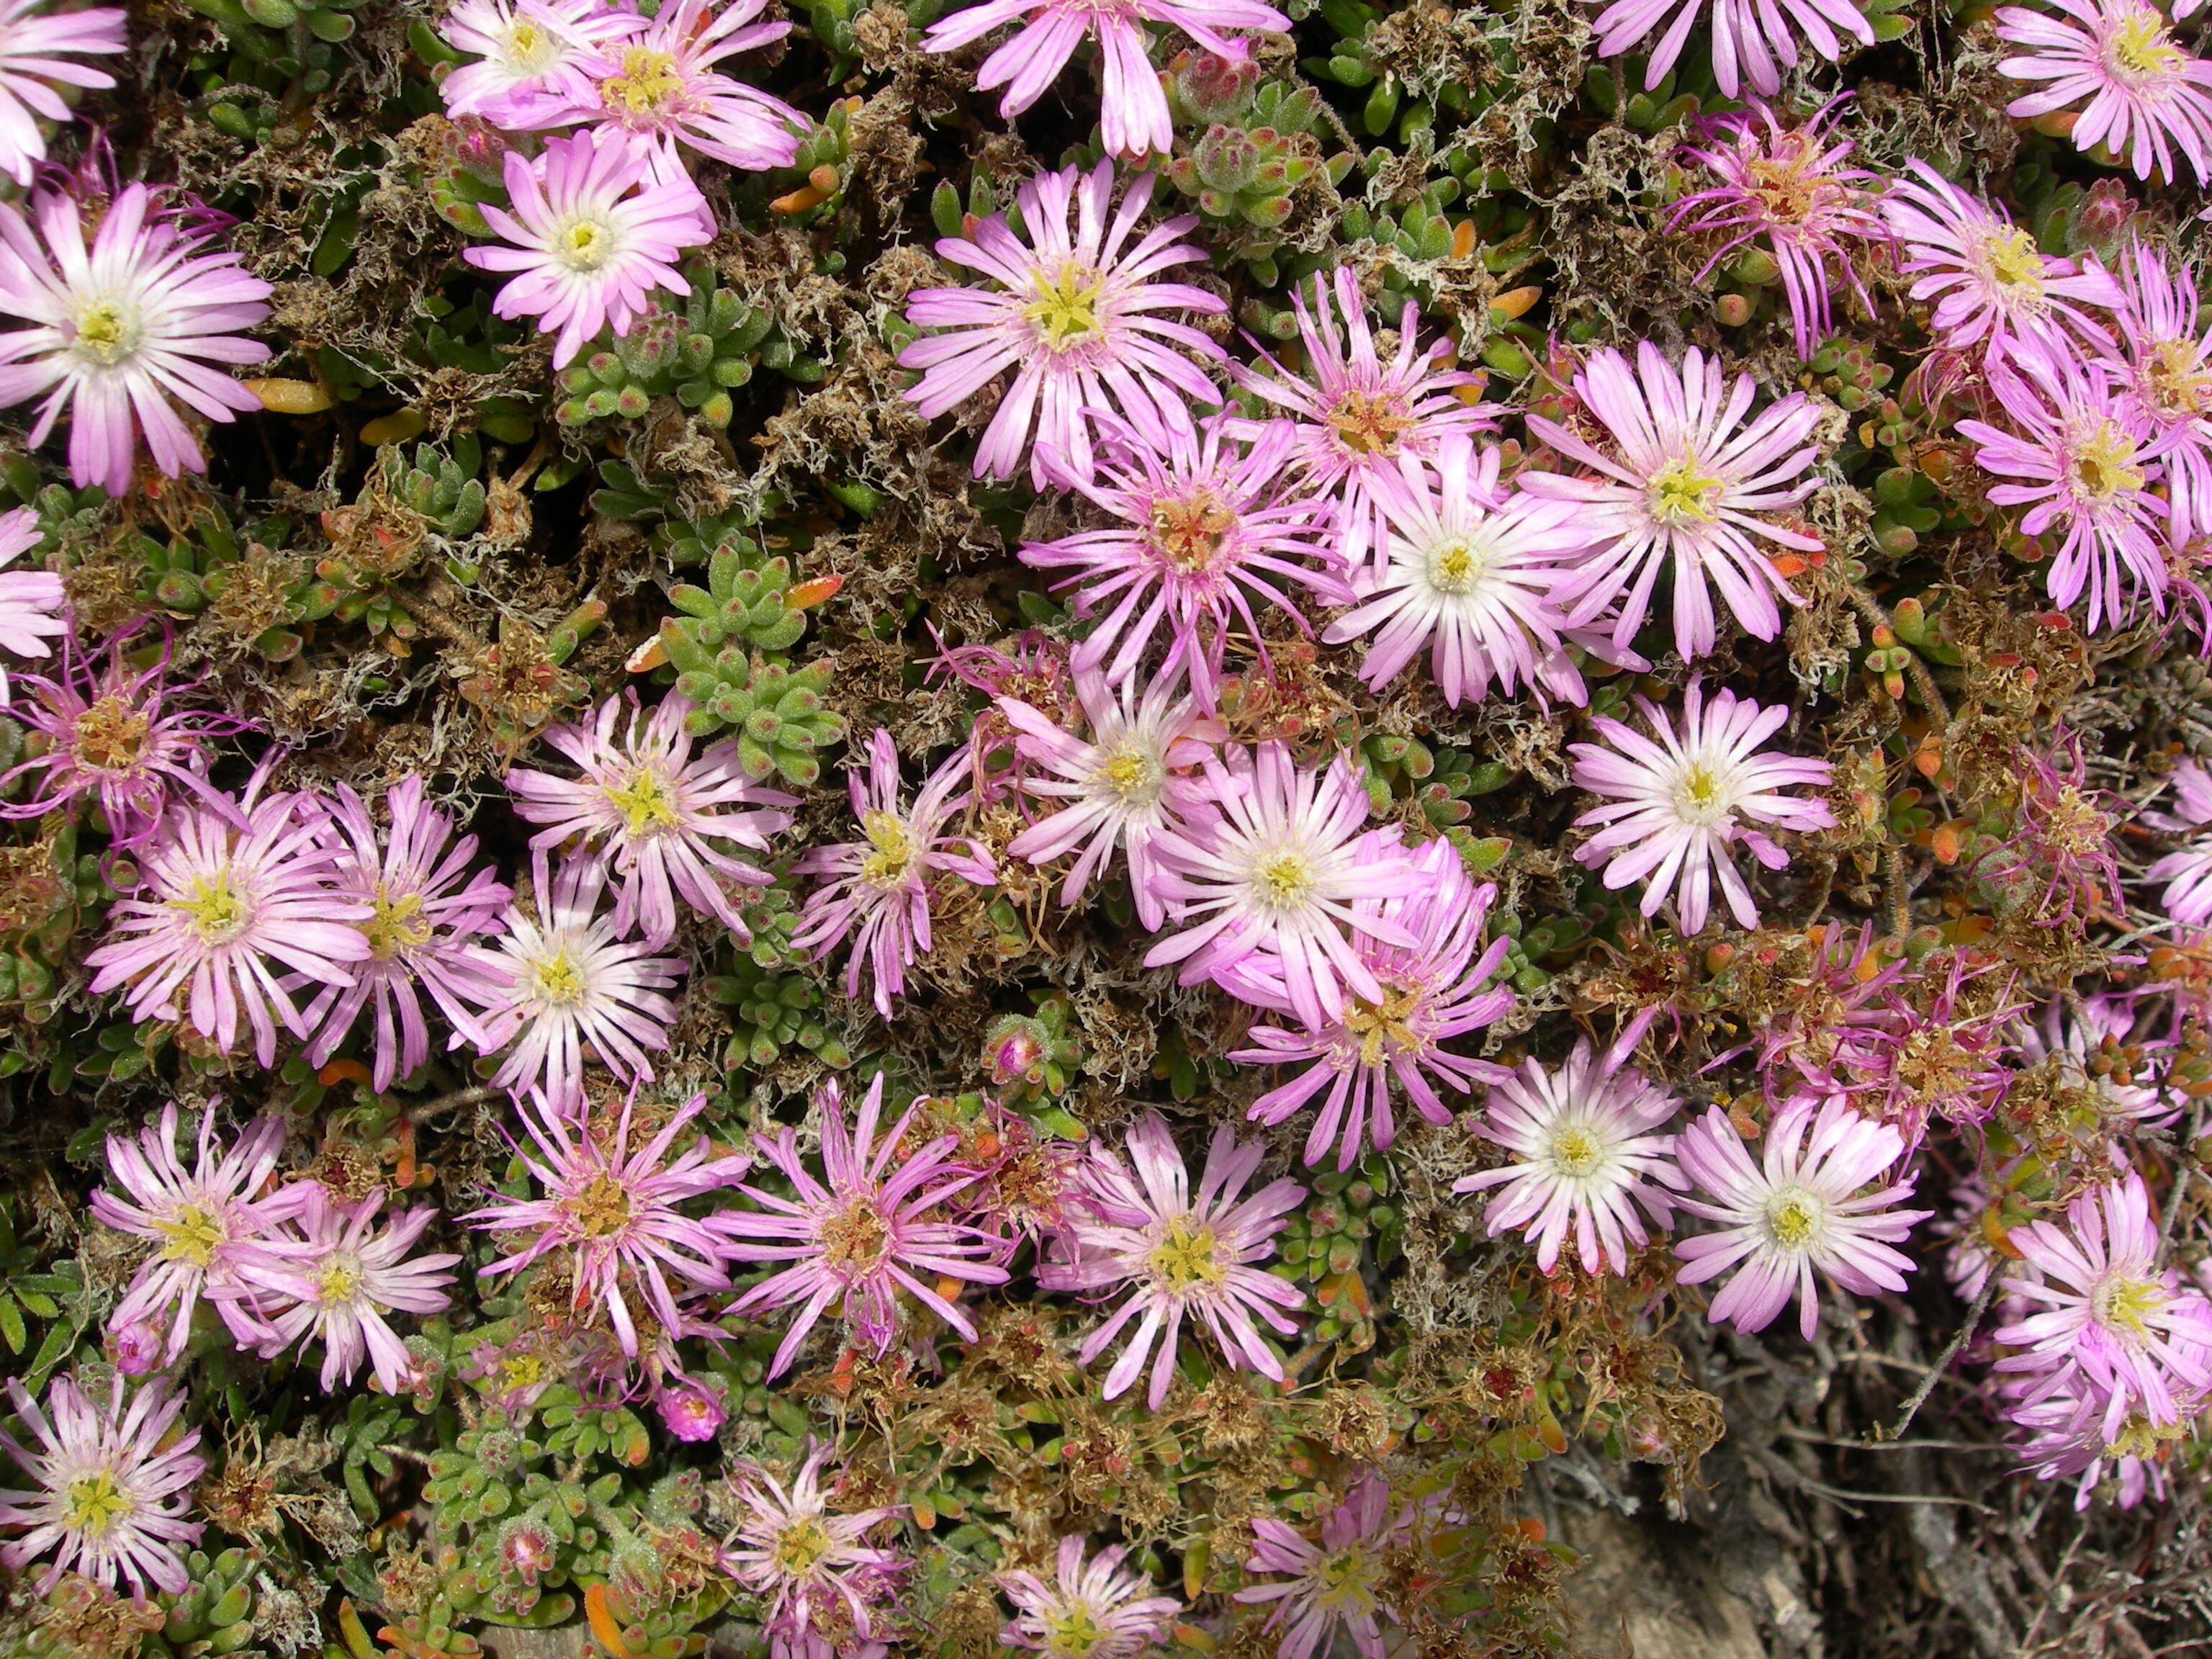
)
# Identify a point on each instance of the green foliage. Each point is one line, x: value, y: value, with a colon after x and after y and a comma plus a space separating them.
x: 698, y: 356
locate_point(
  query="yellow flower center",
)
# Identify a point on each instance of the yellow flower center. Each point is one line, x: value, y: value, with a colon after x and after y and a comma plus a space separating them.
x: 856, y: 1240
x: 2010, y: 258
x: 94, y: 1504
x: 1131, y: 774
x: 557, y: 981
x: 531, y: 49
x: 1188, y: 534
x: 1792, y: 1220
x: 647, y: 801
x: 1780, y: 183
x: 110, y: 738
x: 2140, y: 48
x: 886, y: 867
x: 2176, y: 384
x: 1283, y: 881
x: 1576, y: 1150
x: 1074, y: 1634
x: 601, y: 1208
x: 1344, y: 1581
x: 397, y: 927
x: 1681, y: 492
x: 2103, y: 466
x: 194, y: 1234
x: 1702, y: 794
x: 216, y: 910
x: 1187, y: 1257
x: 1384, y: 1028
x: 800, y: 1546
x: 648, y: 84
x: 585, y: 243
x: 339, y: 1279
x: 2121, y: 1303
x: 1456, y: 566
x: 106, y: 332
x: 1065, y: 311
x: 1370, y: 425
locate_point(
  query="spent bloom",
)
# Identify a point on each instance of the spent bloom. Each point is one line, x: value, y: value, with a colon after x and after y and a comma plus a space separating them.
x: 2168, y: 367
x: 1688, y: 482
x: 651, y: 808
x: 427, y: 907
x: 661, y: 88
x: 110, y: 1485
x: 1336, y: 1584
x: 2187, y: 871
x: 1093, y: 1609
x: 1178, y: 1255
x: 120, y: 325
x: 32, y: 604
x: 821, y: 1582
x: 1434, y: 991
x: 531, y: 58
x: 36, y: 47
x: 2097, y: 1048
x: 2067, y: 1440
x: 347, y: 1268
x: 878, y: 891
x: 1121, y: 785
x: 1584, y: 1158
x: 231, y: 901
x: 2147, y: 98
x: 1076, y: 314
x: 861, y: 1233
x: 1814, y: 1201
x: 1788, y: 191
x: 1677, y: 804
x: 2083, y: 453
x: 1274, y: 870
x: 1358, y: 417
x: 1754, y: 40
x: 596, y: 226
x: 1134, y: 115
x: 1205, y: 538
x: 613, y: 1213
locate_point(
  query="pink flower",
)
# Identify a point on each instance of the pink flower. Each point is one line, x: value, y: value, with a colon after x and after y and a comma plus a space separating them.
x: 427, y: 908
x: 646, y: 805
x: 2148, y: 97
x: 689, y: 1411
x: 1121, y: 785
x: 1340, y: 1582
x: 1093, y: 1608
x: 2085, y: 454
x: 1075, y: 316
x: 880, y: 886
x: 120, y: 326
x: 1687, y: 481
x: 1677, y: 807
x: 661, y: 85
x: 1357, y: 416
x: 1177, y: 1256
x: 1433, y: 991
x: 821, y: 1583
x: 1208, y: 536
x: 1275, y: 870
x: 2067, y: 1440
x: 1584, y: 1158
x: 1133, y: 113
x: 35, y: 49
x: 598, y: 224
x: 2166, y: 363
x: 860, y: 1235
x: 1788, y: 190
x: 1752, y: 41
x: 32, y: 606
x: 2187, y: 871
x: 1806, y: 1208
x: 230, y: 901
x: 533, y: 58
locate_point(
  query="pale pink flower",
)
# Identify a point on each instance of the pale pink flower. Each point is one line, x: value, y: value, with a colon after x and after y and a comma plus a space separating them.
x: 1814, y: 1202
x: 2166, y: 363
x: 1687, y: 481
x: 652, y: 809
x: 1584, y: 1158
x: 861, y: 1234
x: 1134, y: 116
x: 1679, y: 803
x: 120, y: 325
x: 821, y: 1583
x: 1094, y: 1609
x: 1076, y: 316
x: 879, y: 887
x: 1754, y: 40
x: 1434, y: 991
x: 1178, y: 1255
x: 533, y: 58
x: 1275, y: 870
x: 109, y: 1487
x: 32, y: 606
x: 1339, y: 1582
x: 2187, y: 872
x: 2147, y: 98
x: 2067, y: 1440
x: 660, y: 86
x: 35, y: 49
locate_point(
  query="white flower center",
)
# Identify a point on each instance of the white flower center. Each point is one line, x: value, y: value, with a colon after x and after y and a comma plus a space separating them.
x: 107, y: 329
x: 1130, y: 773
x: 1796, y: 1220
x: 214, y: 909
x: 1283, y: 882
x: 1457, y: 564
x: 585, y: 243
x: 2124, y: 1304
x: 1576, y: 1150
x: 557, y: 980
x: 1703, y: 792
x: 2139, y: 51
x: 529, y: 48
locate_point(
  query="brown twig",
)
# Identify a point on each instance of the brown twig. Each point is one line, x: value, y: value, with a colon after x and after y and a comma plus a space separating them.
x: 1964, y: 1335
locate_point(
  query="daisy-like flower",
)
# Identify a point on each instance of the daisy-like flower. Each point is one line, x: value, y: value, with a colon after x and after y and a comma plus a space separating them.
x: 1687, y: 482
x: 567, y: 983
x: 1989, y: 282
x: 1357, y: 416
x: 2168, y: 364
x: 613, y: 1213
x: 862, y: 1232
x: 1121, y: 784
x: 661, y: 85
x: 120, y: 325
x: 652, y: 808
x: 1788, y: 190
x: 232, y: 900
x: 1433, y: 991
x: 1178, y: 1255
x: 1677, y: 804
x: 531, y: 58
x: 822, y: 1584
x: 598, y: 222
x: 35, y: 50
x: 1584, y: 1158
x: 2187, y: 872
x: 1275, y: 870
x: 1753, y: 41
x: 1337, y: 1583
x: 2067, y: 1440
x: 32, y: 602
x: 880, y: 886
x: 1472, y: 568
x: 340, y: 1277
x: 1813, y: 1202
x: 427, y: 908
x: 1208, y: 538
x: 1094, y: 1609
x: 2085, y: 454
x: 2147, y: 98
x: 1133, y: 117
x: 109, y: 1487
x: 207, y: 1222
x: 1077, y: 316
